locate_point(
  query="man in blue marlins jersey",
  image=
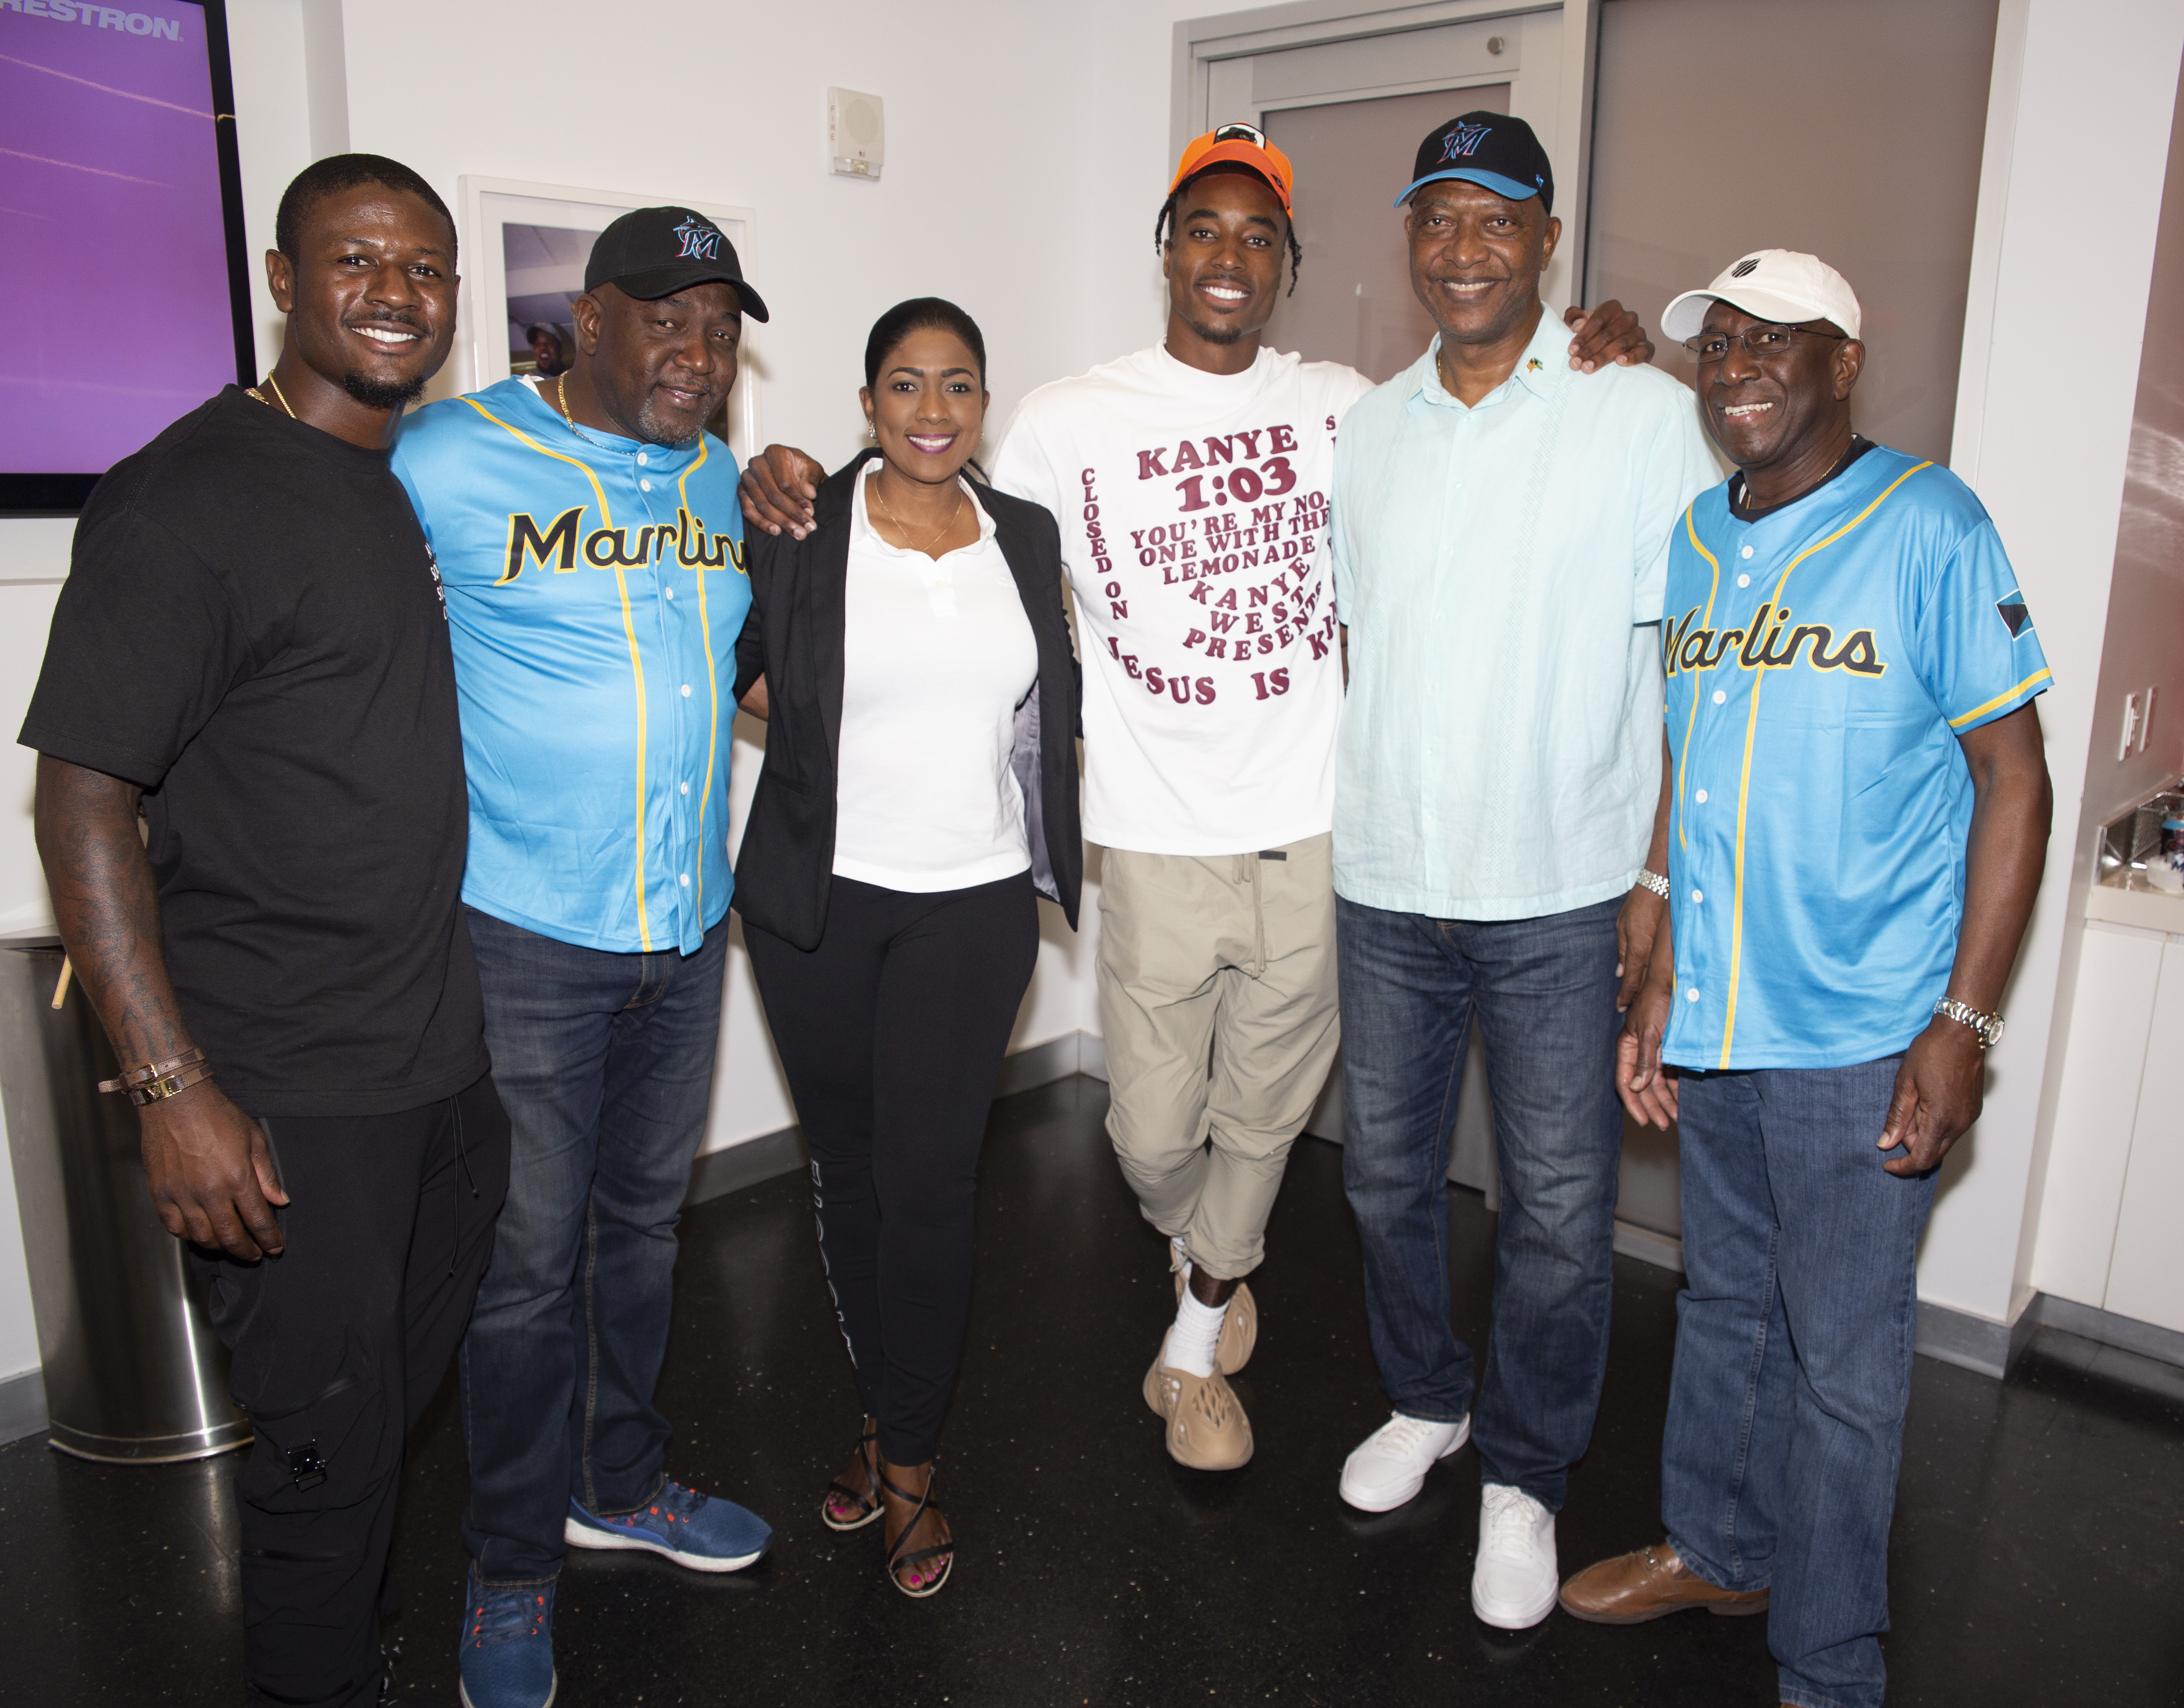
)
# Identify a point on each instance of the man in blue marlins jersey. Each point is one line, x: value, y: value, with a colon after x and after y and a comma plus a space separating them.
x: 1853, y: 830
x: 588, y: 532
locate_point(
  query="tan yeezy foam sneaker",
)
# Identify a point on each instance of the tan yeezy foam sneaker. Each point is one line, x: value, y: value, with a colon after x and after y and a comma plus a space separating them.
x: 1206, y: 1428
x: 1239, y: 1328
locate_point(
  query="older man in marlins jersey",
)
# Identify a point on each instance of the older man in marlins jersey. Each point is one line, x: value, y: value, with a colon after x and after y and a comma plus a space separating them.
x: 588, y: 533
x: 1854, y: 832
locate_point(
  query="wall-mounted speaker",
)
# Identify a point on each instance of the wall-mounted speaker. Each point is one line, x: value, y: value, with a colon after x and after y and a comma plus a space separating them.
x: 856, y: 133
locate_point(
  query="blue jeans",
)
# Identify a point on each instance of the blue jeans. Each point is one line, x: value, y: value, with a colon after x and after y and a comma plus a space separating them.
x: 604, y: 1063
x: 1544, y: 992
x: 1794, y: 1336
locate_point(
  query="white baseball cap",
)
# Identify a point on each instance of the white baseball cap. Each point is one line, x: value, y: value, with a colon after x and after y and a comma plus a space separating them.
x: 1780, y: 285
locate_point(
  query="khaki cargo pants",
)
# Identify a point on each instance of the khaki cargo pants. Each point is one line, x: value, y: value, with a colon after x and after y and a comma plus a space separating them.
x: 1217, y: 978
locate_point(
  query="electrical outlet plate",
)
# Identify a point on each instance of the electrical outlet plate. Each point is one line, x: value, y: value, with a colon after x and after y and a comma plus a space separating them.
x: 2130, y: 727
x: 2146, y: 719
x: 856, y: 133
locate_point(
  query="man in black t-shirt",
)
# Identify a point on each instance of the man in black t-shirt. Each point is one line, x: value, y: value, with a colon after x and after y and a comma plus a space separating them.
x: 251, y: 648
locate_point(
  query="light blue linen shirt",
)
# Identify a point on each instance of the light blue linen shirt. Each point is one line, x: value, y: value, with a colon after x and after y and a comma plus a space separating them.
x: 1497, y: 568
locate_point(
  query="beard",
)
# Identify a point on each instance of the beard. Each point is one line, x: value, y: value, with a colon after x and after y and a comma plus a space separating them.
x: 1219, y: 332
x: 388, y: 396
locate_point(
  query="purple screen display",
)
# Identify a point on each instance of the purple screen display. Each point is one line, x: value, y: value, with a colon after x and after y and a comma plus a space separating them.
x: 112, y: 252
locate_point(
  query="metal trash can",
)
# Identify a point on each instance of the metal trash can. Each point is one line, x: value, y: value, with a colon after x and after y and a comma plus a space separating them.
x: 133, y: 1371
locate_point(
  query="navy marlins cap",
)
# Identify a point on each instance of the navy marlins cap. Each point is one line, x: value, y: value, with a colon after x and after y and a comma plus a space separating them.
x: 652, y: 253
x: 1487, y: 149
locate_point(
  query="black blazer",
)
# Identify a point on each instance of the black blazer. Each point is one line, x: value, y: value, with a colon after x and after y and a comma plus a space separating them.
x: 793, y: 637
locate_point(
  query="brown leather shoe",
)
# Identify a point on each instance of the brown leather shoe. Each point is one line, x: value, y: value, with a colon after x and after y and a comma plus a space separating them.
x: 1632, y: 1588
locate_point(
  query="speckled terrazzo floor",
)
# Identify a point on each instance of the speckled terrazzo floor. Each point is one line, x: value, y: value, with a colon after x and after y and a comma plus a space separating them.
x: 2039, y: 1543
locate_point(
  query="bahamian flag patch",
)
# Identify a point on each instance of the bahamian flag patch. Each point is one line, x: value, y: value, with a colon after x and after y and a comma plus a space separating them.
x: 2014, y: 615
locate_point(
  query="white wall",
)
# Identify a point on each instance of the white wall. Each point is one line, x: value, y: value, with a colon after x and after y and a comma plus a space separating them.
x: 2043, y: 443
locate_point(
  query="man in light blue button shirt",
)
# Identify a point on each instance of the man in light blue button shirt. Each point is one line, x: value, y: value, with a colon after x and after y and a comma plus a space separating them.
x: 1499, y: 546
x: 591, y: 544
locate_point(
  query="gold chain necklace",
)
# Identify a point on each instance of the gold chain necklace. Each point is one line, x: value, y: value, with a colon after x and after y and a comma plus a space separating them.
x: 945, y: 525
x: 253, y: 391
x: 561, y: 391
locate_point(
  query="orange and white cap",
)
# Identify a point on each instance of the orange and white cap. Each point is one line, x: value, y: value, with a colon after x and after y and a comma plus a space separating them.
x: 1243, y: 145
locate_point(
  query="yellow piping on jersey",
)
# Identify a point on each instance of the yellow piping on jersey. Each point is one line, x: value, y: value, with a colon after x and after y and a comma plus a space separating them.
x: 1750, y: 730
x: 712, y: 684
x: 607, y: 517
x: 2043, y: 674
x: 629, y: 629
x: 1691, y: 723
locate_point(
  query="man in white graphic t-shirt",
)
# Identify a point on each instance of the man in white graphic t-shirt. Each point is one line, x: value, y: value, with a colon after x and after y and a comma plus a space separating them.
x: 1191, y: 481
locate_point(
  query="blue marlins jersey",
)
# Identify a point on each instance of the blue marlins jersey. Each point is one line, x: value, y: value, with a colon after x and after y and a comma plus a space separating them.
x: 1821, y: 662
x: 595, y: 586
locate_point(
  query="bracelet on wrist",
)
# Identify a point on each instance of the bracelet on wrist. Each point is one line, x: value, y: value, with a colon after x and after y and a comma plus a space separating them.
x: 149, y: 1082
x: 1986, y: 1027
x: 1655, y: 882
x: 158, y: 1090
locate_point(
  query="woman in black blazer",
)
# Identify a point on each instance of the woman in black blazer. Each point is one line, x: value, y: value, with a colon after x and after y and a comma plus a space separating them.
x: 913, y: 661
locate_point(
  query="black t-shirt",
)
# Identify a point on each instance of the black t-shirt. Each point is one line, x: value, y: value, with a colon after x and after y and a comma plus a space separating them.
x: 252, y: 630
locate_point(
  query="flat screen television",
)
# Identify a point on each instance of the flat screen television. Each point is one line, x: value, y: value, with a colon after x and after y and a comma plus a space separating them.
x: 124, y: 297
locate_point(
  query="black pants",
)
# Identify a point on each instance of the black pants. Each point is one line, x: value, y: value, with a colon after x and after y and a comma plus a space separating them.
x: 892, y: 1031
x: 339, y: 1342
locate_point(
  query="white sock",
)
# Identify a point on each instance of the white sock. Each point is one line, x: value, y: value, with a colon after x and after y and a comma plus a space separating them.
x: 1192, y: 1343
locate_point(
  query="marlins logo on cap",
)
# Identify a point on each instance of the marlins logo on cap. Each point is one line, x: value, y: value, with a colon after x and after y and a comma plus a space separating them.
x: 1491, y: 149
x: 651, y: 252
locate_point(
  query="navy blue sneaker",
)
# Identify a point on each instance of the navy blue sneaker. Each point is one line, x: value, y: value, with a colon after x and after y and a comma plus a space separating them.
x: 507, y: 1656
x: 689, y: 1528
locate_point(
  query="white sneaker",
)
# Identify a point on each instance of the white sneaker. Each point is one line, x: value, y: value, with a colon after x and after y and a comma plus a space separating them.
x: 1514, y: 1584
x: 1389, y: 1466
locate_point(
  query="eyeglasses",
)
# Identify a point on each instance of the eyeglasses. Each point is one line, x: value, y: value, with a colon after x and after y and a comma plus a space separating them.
x: 1759, y: 342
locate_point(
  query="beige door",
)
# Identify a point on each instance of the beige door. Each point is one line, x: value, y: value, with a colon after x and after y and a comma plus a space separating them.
x: 1353, y: 301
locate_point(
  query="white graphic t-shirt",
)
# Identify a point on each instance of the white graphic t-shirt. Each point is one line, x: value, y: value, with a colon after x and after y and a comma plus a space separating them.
x: 1193, y: 516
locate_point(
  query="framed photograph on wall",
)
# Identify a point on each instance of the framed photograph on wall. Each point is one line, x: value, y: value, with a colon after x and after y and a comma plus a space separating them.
x: 524, y: 250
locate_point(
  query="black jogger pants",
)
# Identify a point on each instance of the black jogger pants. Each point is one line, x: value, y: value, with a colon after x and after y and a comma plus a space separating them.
x: 339, y: 1342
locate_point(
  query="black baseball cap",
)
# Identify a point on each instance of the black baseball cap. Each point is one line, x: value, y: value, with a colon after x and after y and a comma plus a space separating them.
x: 1487, y: 149
x: 651, y: 252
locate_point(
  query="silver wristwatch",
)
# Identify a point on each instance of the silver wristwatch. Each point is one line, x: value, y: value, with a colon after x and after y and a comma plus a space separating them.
x: 1655, y: 882
x: 1986, y: 1028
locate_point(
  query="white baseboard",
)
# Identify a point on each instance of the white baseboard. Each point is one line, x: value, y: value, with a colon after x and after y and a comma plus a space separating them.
x: 1663, y: 1251
x: 22, y: 1405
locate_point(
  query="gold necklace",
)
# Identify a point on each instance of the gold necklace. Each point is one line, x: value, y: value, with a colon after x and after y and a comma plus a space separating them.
x: 945, y: 525
x: 253, y: 391
x: 561, y: 391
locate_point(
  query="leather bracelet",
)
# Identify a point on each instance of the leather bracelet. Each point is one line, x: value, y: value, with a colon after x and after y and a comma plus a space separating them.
x: 145, y: 1072
x: 158, y: 1090
x: 1655, y: 882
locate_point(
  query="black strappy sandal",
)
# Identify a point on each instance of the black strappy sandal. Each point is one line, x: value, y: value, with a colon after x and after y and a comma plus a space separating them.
x: 897, y: 1559
x: 867, y: 1508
